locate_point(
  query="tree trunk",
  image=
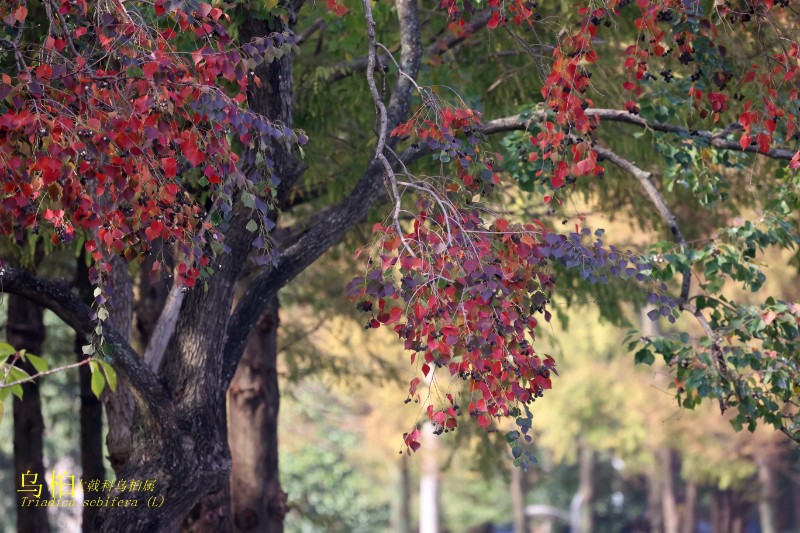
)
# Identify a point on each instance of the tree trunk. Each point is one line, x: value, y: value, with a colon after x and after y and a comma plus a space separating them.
x: 119, y: 404
x: 586, y: 487
x: 728, y: 512
x: 654, y: 507
x: 669, y: 511
x: 401, y: 511
x: 689, y: 508
x: 259, y: 503
x: 429, y: 481
x: 768, y: 497
x: 91, y: 412
x: 517, y: 490
x: 26, y: 331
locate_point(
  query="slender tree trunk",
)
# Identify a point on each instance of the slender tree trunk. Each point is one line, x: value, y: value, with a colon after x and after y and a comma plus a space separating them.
x: 429, y: 481
x: 26, y: 331
x: 91, y: 412
x: 768, y: 497
x: 401, y: 512
x: 586, y: 475
x: 517, y: 490
x: 689, y: 508
x: 668, y: 506
x: 259, y: 503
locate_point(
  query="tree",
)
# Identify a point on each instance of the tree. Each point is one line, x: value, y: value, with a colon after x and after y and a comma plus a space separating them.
x: 126, y: 126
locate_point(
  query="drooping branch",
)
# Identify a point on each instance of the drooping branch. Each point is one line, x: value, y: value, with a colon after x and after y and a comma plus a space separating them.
x: 150, y: 395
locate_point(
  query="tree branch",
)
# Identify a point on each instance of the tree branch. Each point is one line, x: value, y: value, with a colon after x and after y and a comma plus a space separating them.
x: 518, y: 122
x: 644, y: 179
x: 150, y: 395
x: 349, y: 212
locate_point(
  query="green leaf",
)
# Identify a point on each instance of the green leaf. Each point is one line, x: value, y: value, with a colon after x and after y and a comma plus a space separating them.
x: 252, y: 226
x: 38, y: 363
x: 644, y: 356
x: 111, y: 375
x: 98, y: 381
x: 6, y: 349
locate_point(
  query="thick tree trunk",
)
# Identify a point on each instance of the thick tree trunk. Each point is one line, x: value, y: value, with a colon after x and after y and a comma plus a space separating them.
x: 26, y: 331
x: 91, y: 412
x: 259, y: 503
x: 689, y: 508
x: 668, y: 506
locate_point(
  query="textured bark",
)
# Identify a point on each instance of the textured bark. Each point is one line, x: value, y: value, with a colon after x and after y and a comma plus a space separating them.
x: 91, y: 412
x: 119, y: 404
x: 259, y: 503
x: 26, y: 331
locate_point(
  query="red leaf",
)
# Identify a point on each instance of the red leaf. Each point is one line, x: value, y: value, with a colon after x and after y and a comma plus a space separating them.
x: 494, y: 21
x: 150, y: 69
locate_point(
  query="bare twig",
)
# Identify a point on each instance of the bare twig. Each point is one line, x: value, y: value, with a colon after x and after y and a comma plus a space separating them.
x: 382, y: 122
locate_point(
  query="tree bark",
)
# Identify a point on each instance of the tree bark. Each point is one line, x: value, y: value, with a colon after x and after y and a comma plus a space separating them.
x: 119, y: 404
x: 259, y: 503
x: 91, y: 412
x: 26, y: 331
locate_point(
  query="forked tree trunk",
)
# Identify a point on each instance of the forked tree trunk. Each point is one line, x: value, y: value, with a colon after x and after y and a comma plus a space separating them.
x: 259, y: 503
x: 26, y: 331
